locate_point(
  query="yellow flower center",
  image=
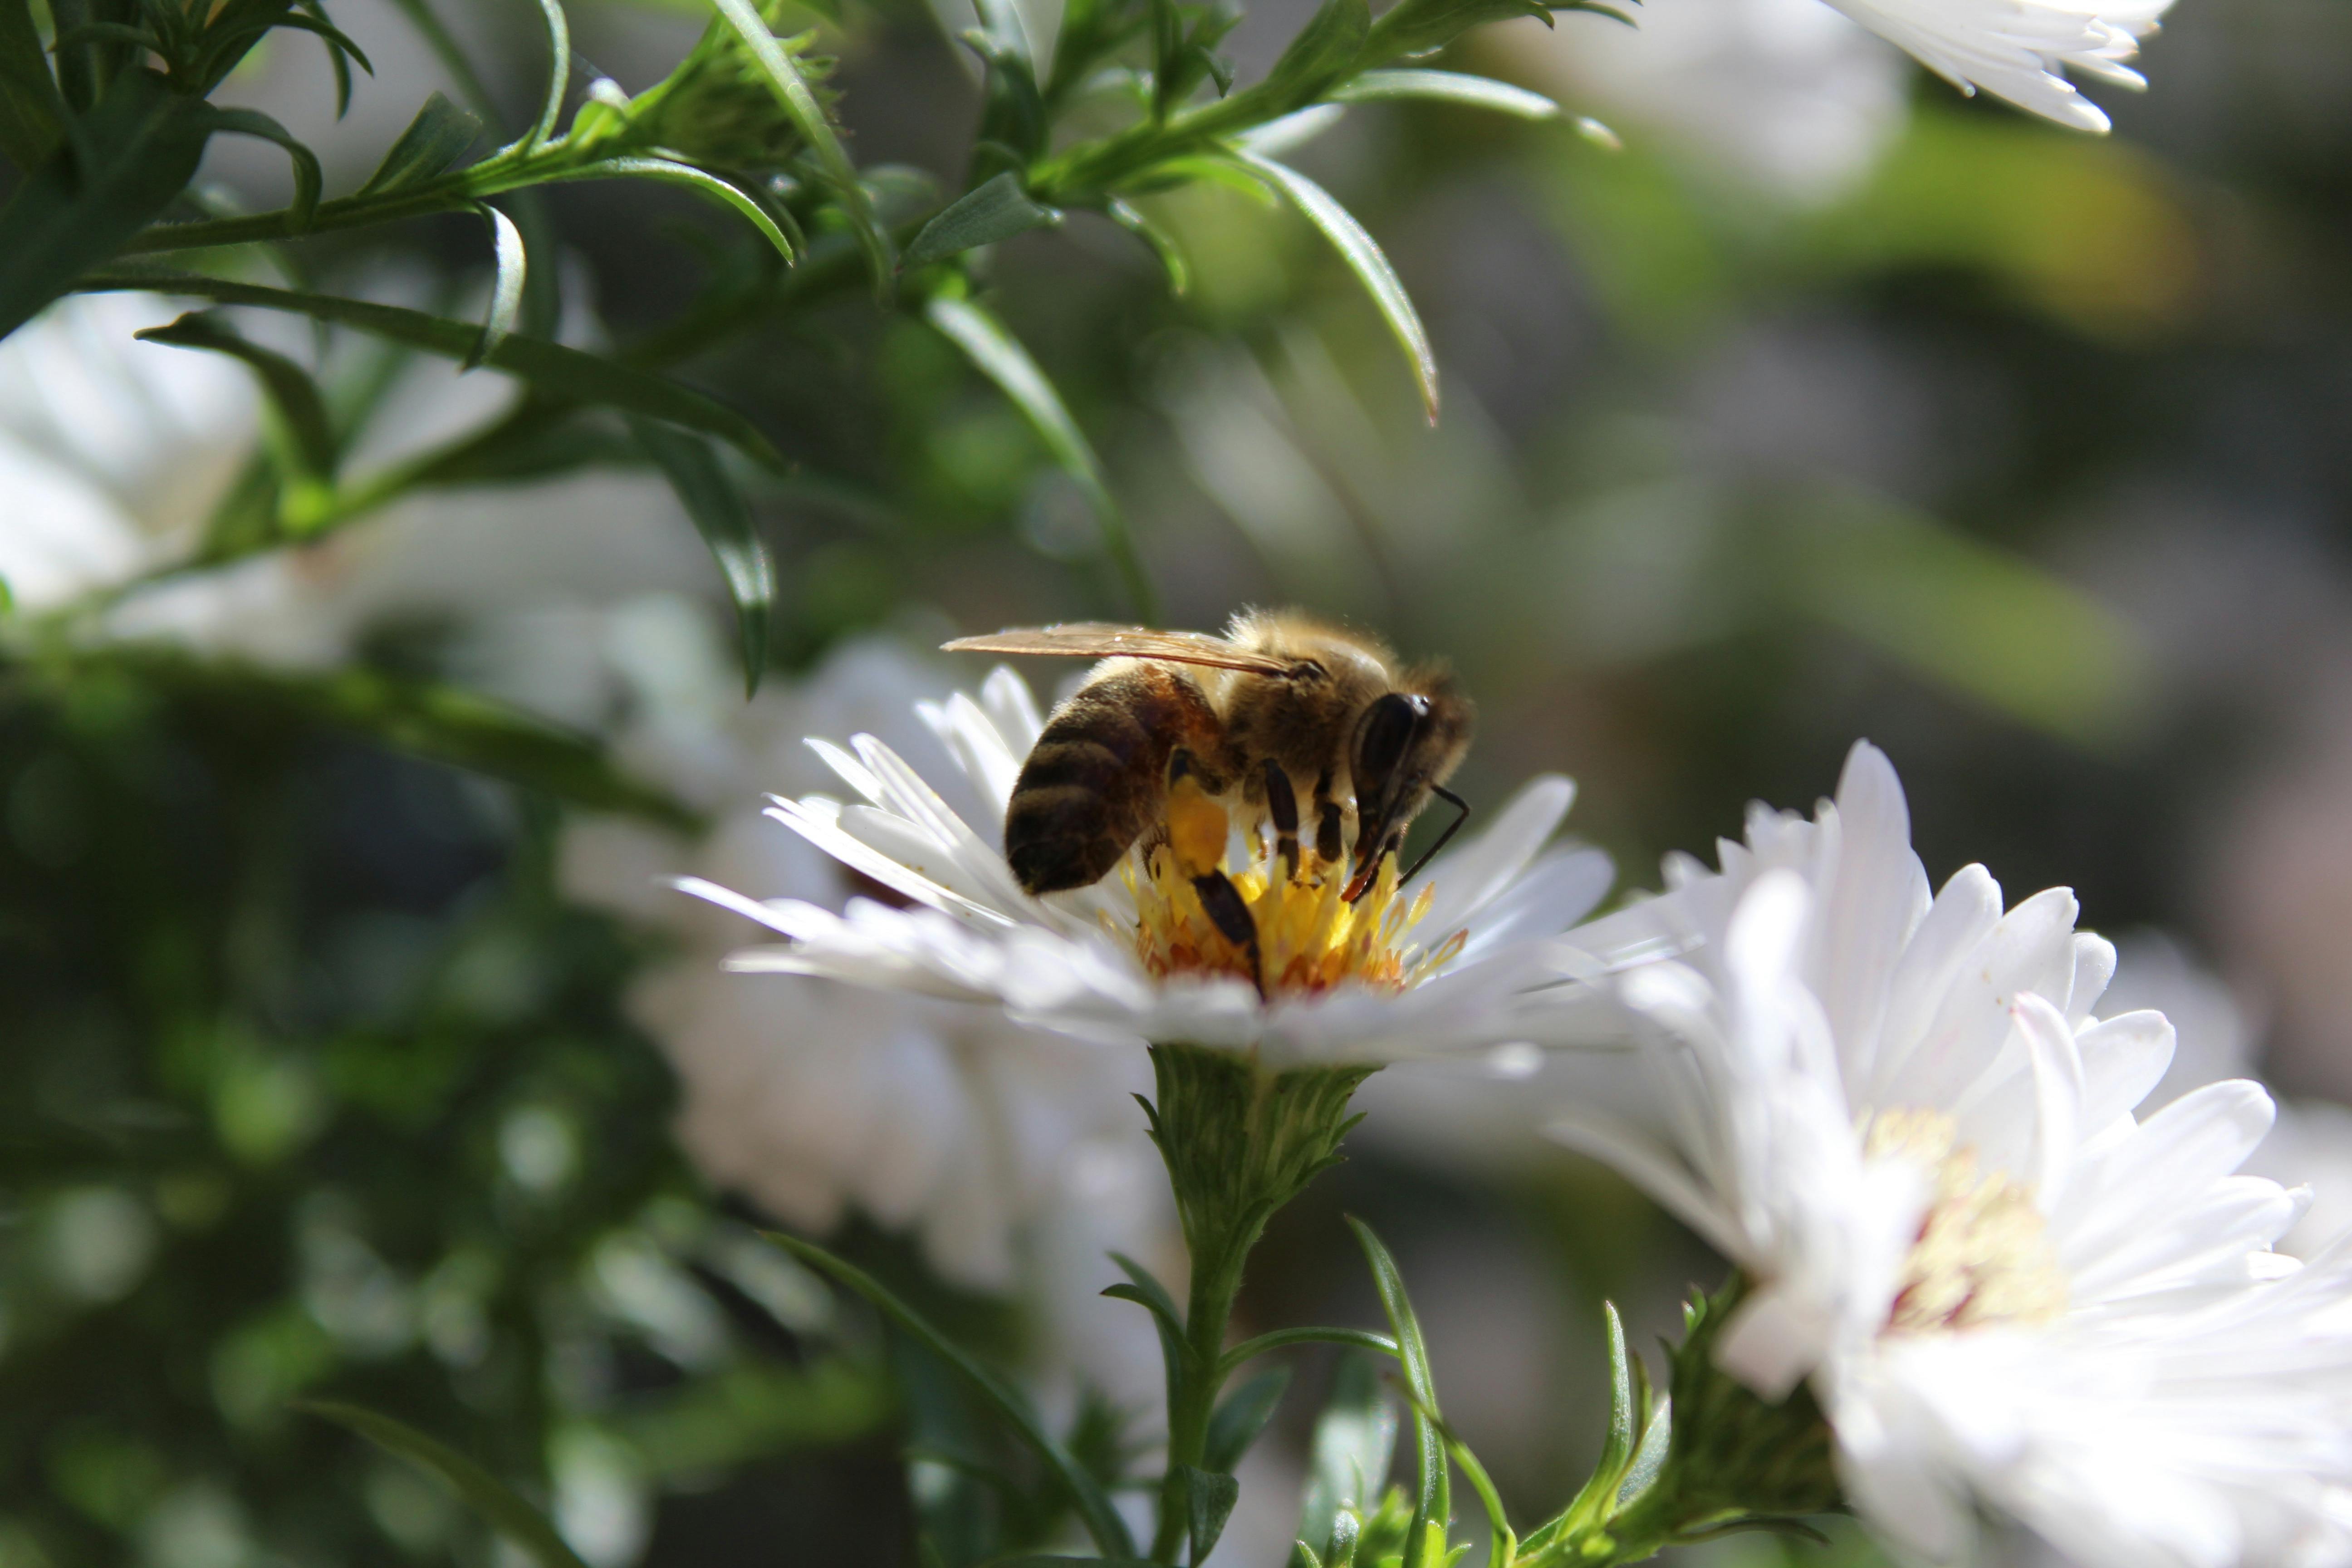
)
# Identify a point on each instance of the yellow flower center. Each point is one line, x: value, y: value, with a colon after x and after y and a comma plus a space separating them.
x: 1308, y: 937
x: 1982, y: 1254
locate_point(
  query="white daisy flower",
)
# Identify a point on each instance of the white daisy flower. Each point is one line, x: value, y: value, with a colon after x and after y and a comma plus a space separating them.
x: 1454, y: 965
x: 2020, y: 49
x: 1898, y: 1116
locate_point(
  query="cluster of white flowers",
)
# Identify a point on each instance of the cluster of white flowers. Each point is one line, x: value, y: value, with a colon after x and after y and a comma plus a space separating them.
x: 1897, y: 1115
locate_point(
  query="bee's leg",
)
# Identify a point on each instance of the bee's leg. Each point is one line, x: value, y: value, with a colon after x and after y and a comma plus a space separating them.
x: 1330, y: 823
x: 1222, y: 903
x: 1367, y: 870
x: 1282, y: 805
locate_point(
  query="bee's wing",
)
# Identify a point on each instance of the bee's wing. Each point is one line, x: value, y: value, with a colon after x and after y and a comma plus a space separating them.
x: 1102, y: 639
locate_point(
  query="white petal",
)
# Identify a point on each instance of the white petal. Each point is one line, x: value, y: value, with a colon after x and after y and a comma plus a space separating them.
x: 1470, y: 878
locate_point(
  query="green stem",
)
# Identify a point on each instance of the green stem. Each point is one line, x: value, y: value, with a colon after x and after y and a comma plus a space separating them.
x: 1239, y: 1142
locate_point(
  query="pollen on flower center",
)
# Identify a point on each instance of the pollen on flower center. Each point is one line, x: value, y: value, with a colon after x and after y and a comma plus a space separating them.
x: 1983, y: 1255
x: 1308, y: 938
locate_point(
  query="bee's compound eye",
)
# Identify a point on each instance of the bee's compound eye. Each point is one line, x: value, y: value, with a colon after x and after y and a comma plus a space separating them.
x: 1382, y: 736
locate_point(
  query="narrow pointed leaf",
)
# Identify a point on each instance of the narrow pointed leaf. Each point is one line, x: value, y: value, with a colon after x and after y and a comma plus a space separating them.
x: 432, y: 144
x: 1209, y: 1502
x: 1145, y: 1291
x: 1432, y: 1503
x: 139, y: 149
x: 506, y: 288
x: 288, y: 386
x: 1624, y: 1416
x: 808, y: 117
x: 1649, y: 1458
x: 559, y: 71
x: 999, y: 356
x: 493, y: 1498
x: 1240, y: 1417
x: 565, y: 374
x: 1354, y: 1439
x: 1163, y: 245
x: 1447, y: 86
x: 308, y: 181
x: 724, y: 520
x: 1279, y: 1339
x: 1364, y: 257
x: 32, y: 111
x: 1102, y: 1520
x: 700, y: 181
x: 996, y: 210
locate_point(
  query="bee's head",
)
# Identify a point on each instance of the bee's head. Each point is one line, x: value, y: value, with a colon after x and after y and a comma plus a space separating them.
x: 1406, y: 744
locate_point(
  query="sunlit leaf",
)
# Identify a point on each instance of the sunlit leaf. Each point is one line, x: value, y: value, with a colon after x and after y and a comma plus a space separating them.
x: 432, y: 144
x: 995, y: 210
x: 724, y: 518
x: 560, y: 373
x: 1364, y: 258
x: 505, y: 289
x: 488, y: 1497
x: 998, y: 355
x: 1101, y: 1519
x: 1322, y: 52
x: 1447, y: 86
x: 700, y: 181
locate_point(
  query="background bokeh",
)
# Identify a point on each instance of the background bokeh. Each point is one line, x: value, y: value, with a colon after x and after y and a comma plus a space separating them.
x: 1793, y: 399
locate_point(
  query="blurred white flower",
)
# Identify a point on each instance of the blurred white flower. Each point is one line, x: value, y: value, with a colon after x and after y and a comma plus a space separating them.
x: 1017, y: 1157
x: 1786, y: 93
x: 2020, y: 49
x: 1899, y: 1117
x: 1133, y: 958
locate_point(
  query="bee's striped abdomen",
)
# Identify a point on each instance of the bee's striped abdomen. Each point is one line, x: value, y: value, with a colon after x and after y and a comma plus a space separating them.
x: 1097, y: 776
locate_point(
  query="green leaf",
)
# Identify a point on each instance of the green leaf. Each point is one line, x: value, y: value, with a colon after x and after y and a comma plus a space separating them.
x: 488, y: 1496
x: 564, y: 374
x: 290, y: 390
x: 1209, y: 1500
x: 720, y: 512
x: 1279, y: 1339
x: 1363, y: 258
x: 32, y: 111
x: 432, y: 144
x: 808, y: 117
x: 423, y: 718
x: 1322, y: 52
x: 1419, y: 26
x: 505, y: 289
x: 139, y: 149
x: 1354, y: 1439
x: 996, y: 210
x: 999, y: 356
x: 559, y: 72
x: 1101, y: 1519
x: 701, y: 182
x: 1163, y: 244
x: 1145, y: 1291
x: 308, y: 180
x: 1433, y: 1505
x: 1240, y: 1417
x: 1447, y: 86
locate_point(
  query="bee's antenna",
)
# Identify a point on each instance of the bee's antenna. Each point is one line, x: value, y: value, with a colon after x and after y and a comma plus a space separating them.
x: 1462, y: 810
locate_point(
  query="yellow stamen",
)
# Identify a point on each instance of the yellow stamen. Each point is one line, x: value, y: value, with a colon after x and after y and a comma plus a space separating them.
x: 1310, y: 939
x: 1982, y: 1254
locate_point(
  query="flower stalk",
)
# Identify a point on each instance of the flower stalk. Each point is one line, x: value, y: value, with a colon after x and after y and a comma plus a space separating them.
x: 1239, y: 1142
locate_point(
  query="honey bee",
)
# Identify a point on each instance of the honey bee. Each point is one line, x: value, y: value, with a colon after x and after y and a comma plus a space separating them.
x: 1282, y: 707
